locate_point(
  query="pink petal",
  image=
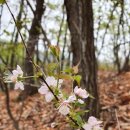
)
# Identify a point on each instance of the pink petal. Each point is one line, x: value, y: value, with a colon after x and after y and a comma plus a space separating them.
x: 80, y: 101
x: 93, y: 121
x: 87, y: 127
x: 49, y: 97
x: 20, y: 72
x: 81, y: 92
x: 43, y: 89
x: 51, y: 81
x: 64, y: 109
x: 15, y: 73
x: 71, y: 98
x: 19, y: 85
x: 75, y: 89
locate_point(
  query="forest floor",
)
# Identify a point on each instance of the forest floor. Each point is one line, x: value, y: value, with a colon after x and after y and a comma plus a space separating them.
x: 36, y: 114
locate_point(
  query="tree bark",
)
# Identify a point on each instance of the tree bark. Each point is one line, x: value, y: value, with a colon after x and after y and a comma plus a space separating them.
x: 32, y: 42
x: 80, y: 22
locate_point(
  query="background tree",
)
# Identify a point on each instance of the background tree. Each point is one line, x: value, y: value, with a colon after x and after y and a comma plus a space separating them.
x: 31, y: 44
x: 80, y: 22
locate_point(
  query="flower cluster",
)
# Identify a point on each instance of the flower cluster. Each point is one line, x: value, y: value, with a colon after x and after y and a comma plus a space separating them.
x: 65, y: 103
x: 78, y: 95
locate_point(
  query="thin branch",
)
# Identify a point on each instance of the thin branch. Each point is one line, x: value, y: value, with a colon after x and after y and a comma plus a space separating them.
x: 107, y: 27
x: 119, y: 127
x: 1, y: 10
x: 60, y: 31
x: 36, y: 66
x: 63, y: 51
x: 15, y: 122
x: 21, y: 36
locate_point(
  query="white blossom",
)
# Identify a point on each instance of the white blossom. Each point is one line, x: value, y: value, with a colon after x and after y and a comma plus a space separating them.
x: 93, y: 121
x: 16, y: 73
x: 14, y: 78
x: 81, y: 92
x: 80, y: 101
x: 49, y: 97
x: 71, y: 98
x: 19, y: 85
x: 45, y: 91
x: 64, y: 108
x: 93, y: 124
x: 87, y: 126
x: 51, y: 81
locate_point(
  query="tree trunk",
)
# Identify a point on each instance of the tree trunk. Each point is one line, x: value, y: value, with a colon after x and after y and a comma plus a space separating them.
x: 32, y: 42
x: 80, y: 22
x: 73, y: 20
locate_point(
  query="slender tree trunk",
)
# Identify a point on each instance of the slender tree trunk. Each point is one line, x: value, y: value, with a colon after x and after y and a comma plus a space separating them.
x: 32, y: 42
x: 80, y: 22
x: 13, y: 57
x: 89, y: 61
x: 73, y: 20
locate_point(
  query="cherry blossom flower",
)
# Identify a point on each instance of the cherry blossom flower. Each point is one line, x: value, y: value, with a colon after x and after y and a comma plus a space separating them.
x: 93, y: 124
x: 14, y: 78
x: 45, y: 91
x: 51, y: 81
x: 93, y: 121
x: 71, y: 98
x: 49, y: 97
x: 87, y: 126
x: 81, y: 92
x: 15, y: 74
x: 64, y: 108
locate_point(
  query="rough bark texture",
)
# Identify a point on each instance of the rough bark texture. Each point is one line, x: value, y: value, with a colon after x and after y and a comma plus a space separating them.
x: 80, y: 22
x: 32, y: 42
x: 74, y: 23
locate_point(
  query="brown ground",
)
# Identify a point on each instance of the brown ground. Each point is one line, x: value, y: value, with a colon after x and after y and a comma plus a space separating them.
x: 39, y: 115
x: 115, y: 100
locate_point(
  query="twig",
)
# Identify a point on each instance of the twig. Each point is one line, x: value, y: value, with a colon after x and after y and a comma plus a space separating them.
x: 107, y: 27
x: 36, y: 66
x: 43, y: 32
x: 21, y: 36
x: 118, y: 123
x: 15, y: 122
x: 21, y: 111
x: 60, y: 31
